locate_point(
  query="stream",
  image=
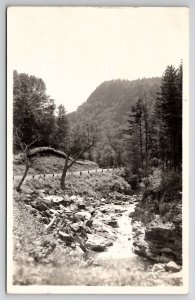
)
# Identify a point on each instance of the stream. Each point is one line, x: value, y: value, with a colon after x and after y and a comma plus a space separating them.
x: 121, y: 252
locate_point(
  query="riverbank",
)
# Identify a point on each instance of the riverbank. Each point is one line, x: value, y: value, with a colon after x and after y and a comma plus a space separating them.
x: 159, y: 215
x: 66, y: 238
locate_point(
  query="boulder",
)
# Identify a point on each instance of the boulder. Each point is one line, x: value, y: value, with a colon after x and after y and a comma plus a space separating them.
x: 97, y: 243
x: 66, y: 237
x: 172, y: 266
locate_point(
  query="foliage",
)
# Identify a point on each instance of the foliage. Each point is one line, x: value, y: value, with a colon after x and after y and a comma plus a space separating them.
x: 154, y: 127
x: 33, y: 109
x: 107, y: 108
x: 169, y: 109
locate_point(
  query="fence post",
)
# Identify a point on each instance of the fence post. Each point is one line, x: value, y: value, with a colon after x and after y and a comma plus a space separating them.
x: 80, y: 173
x: 88, y: 172
x: 102, y: 170
x: 33, y: 176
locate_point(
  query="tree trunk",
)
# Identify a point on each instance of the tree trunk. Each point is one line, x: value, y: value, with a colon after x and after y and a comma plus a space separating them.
x: 18, y: 188
x: 146, y: 150
x: 62, y: 183
x: 141, y: 144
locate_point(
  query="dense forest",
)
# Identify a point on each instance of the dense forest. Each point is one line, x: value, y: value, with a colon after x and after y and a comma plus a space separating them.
x: 108, y: 108
x: 137, y: 124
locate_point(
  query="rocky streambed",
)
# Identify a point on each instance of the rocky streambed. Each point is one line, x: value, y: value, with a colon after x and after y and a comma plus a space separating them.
x: 104, y: 233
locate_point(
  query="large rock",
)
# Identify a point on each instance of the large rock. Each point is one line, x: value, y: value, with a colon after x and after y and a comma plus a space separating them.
x: 157, y: 241
x: 172, y: 266
x: 97, y: 243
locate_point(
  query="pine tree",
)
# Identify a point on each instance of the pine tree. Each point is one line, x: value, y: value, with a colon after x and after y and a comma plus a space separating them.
x: 169, y: 110
x: 62, y: 128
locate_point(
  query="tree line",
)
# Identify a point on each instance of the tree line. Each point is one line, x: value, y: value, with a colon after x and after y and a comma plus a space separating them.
x: 153, y: 134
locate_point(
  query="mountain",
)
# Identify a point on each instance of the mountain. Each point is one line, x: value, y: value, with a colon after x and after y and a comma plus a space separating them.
x: 108, y: 107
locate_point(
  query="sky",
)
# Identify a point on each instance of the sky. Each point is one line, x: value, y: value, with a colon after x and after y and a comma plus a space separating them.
x: 75, y: 49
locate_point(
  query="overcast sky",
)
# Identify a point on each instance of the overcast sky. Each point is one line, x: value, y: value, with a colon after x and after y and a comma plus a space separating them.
x: 75, y: 49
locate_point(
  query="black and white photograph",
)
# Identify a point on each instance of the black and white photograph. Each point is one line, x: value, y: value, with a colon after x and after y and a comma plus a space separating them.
x: 97, y: 150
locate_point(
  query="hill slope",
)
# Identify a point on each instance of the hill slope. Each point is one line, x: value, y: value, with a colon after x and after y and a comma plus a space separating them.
x: 108, y: 107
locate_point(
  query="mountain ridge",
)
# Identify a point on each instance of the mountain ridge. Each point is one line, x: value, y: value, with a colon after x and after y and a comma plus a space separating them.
x: 107, y: 107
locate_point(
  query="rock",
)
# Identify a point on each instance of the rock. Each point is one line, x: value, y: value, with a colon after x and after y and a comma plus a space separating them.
x: 172, y: 266
x: 97, y: 243
x: 28, y: 200
x: 27, y: 190
x: 103, y: 200
x: 33, y: 211
x: 66, y: 237
x: 83, y: 215
x: 89, y: 223
x: 54, y: 212
x: 113, y: 223
x: 41, y: 206
x: 177, y: 275
x: 81, y: 205
x: 47, y: 214
x: 131, y: 214
x: 44, y: 220
x: 91, y: 210
x: 75, y: 227
x: 57, y: 199
x: 142, y: 185
x: 158, y: 268
x: 97, y: 248
x: 73, y: 198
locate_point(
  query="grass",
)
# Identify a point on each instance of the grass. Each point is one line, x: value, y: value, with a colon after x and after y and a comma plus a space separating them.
x: 49, y: 164
x: 90, y: 185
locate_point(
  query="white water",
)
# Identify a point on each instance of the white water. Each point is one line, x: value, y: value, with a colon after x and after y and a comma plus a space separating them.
x: 122, y: 247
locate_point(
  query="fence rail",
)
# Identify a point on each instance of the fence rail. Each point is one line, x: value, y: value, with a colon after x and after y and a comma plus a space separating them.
x: 77, y: 173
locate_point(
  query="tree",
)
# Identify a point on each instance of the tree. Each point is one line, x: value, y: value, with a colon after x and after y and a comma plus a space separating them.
x: 17, y: 138
x: 62, y: 127
x: 33, y: 109
x: 81, y: 138
x: 169, y: 110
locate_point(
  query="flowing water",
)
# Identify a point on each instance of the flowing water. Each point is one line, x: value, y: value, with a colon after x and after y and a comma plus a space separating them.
x: 122, y: 249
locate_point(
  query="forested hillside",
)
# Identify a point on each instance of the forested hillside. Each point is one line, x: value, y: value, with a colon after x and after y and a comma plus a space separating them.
x: 108, y: 108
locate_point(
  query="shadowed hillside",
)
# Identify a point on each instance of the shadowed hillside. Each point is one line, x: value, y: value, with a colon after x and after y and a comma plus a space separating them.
x: 108, y: 107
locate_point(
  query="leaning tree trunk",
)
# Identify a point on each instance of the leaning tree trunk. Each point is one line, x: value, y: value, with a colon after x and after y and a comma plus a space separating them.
x: 18, y: 188
x: 63, y: 177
